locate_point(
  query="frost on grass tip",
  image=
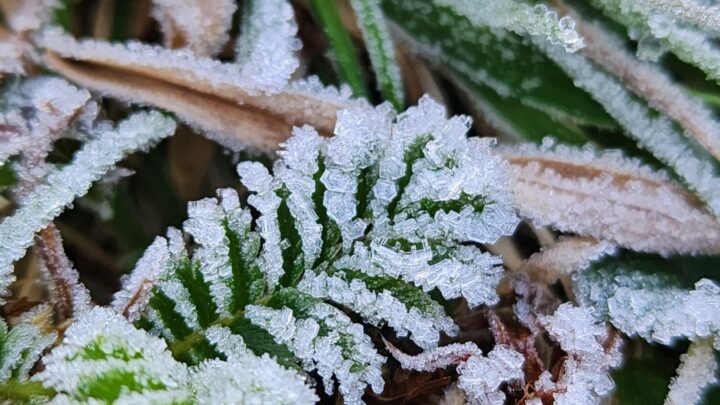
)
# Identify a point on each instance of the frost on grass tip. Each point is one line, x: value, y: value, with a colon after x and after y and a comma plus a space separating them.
x: 374, y: 218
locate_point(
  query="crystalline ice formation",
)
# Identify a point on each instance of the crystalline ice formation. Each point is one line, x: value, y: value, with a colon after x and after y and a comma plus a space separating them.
x: 318, y: 231
x: 267, y: 45
x: 586, y: 375
x: 479, y: 376
x: 653, y: 306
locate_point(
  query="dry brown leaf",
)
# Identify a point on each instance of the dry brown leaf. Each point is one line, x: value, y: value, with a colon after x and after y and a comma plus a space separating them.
x: 609, y: 197
x: 203, y: 92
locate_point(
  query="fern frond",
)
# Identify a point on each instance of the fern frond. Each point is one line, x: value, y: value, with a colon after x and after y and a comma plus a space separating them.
x: 371, y: 219
x: 103, y: 358
x: 697, y: 372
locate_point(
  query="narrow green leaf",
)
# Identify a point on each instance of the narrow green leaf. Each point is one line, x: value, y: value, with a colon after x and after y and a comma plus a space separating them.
x: 381, y: 49
x: 259, y: 341
x: 348, y: 63
x: 293, y: 260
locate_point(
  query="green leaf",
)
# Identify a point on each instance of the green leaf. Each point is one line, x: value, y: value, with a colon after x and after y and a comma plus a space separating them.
x: 381, y: 49
x: 509, y: 114
x: 348, y: 63
x: 498, y: 59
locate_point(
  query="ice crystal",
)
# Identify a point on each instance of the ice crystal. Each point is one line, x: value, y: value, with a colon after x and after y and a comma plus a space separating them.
x: 585, y: 378
x: 654, y: 306
x: 61, y: 186
x: 481, y: 377
x: 325, y: 353
x: 703, y: 16
x: 28, y: 15
x: 697, y: 371
x: 567, y: 256
x: 201, y: 25
x: 267, y: 45
x: 323, y: 231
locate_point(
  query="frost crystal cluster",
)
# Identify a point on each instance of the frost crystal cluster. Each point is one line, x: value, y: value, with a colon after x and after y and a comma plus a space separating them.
x: 372, y: 219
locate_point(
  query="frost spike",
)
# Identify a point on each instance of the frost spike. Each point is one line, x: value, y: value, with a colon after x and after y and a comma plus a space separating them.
x: 607, y: 196
x: 697, y: 372
x: 62, y: 186
x: 381, y: 49
x: 204, y: 92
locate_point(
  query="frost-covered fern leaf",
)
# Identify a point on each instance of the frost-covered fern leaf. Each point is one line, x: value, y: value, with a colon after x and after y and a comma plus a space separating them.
x: 648, y: 297
x: 20, y: 347
x: 372, y: 219
x: 105, y: 359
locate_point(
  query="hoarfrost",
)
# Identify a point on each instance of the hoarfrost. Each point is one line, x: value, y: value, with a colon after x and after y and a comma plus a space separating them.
x: 325, y: 353
x: 586, y: 377
x: 61, y: 186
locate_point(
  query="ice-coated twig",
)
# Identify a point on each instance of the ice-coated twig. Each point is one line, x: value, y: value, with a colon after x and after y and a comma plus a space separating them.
x: 70, y: 297
x: 697, y: 372
x: 200, y: 25
x: 479, y: 376
x: 62, y: 186
x: 609, y: 197
x: 592, y: 351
